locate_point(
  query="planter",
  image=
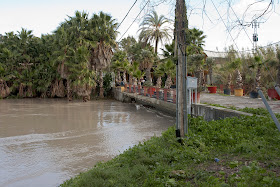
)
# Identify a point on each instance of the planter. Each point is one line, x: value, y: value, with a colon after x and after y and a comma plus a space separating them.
x: 227, y: 91
x: 272, y: 93
x: 212, y: 89
x: 253, y: 94
x: 238, y: 92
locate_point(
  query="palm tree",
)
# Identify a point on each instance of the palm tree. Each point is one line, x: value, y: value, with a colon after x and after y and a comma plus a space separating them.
x: 126, y: 43
x: 196, y: 63
x: 147, y: 59
x: 210, y: 65
x: 195, y: 41
x: 132, y: 68
x: 159, y: 72
x: 120, y: 63
x: 103, y: 32
x: 236, y: 64
x: 153, y: 29
x: 170, y: 70
x: 73, y: 55
x: 138, y: 74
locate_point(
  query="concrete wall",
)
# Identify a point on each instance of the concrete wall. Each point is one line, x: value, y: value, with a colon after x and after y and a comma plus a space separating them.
x: 208, y: 112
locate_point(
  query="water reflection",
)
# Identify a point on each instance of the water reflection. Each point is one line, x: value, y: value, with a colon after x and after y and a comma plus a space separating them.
x: 44, y: 142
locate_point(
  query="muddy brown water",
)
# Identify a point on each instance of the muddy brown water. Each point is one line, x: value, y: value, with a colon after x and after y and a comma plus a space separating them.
x: 44, y: 142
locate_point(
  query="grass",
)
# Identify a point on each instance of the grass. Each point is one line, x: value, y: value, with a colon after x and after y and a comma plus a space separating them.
x: 231, y: 152
x: 256, y: 111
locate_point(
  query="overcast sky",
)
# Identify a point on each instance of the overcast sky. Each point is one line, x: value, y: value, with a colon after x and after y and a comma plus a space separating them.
x: 44, y: 16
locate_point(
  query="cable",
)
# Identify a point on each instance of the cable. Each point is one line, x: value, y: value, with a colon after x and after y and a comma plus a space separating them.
x: 134, y: 20
x: 240, y: 22
x: 126, y: 14
x: 225, y: 24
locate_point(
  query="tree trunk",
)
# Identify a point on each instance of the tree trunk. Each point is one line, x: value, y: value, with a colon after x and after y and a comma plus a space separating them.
x: 118, y: 78
x: 60, y: 91
x: 159, y: 81
x: 69, y: 92
x: 29, y: 92
x: 130, y: 79
x: 148, y: 75
x: 211, y: 76
x: 239, y: 83
x: 101, y: 91
x: 21, y: 90
x: 228, y: 81
x: 4, y: 89
x: 258, y: 78
x: 124, y: 77
x: 168, y: 82
x: 134, y: 80
x: 156, y: 46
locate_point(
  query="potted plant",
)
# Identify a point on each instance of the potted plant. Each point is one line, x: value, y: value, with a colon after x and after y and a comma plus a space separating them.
x: 210, y: 65
x: 236, y: 64
x: 256, y: 64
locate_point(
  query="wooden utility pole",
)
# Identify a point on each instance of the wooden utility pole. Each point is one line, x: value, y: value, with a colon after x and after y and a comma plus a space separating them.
x: 180, y: 26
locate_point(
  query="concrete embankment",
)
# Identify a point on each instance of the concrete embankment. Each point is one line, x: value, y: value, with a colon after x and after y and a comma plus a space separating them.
x: 208, y: 112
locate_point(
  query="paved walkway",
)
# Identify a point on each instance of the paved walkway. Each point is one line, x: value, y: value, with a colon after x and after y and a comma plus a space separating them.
x: 238, y: 102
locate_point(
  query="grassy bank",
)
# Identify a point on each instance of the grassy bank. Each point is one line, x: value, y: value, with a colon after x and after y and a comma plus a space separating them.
x: 229, y: 152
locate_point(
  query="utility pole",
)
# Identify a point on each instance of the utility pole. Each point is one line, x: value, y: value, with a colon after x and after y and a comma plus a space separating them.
x: 255, y: 26
x: 181, y: 111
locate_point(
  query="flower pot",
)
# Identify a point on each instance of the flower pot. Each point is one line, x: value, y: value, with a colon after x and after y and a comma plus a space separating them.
x: 272, y: 93
x: 253, y: 94
x: 227, y: 91
x: 212, y: 89
x: 238, y: 92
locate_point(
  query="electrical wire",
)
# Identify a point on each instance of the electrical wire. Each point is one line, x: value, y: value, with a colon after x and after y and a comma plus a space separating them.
x: 127, y: 14
x: 224, y: 24
x: 240, y: 23
x: 134, y: 20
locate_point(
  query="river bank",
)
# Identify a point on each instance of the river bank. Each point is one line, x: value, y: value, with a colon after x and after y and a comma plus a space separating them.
x: 230, y: 152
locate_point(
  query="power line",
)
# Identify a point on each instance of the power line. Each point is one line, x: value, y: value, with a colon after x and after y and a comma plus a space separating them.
x: 127, y: 14
x: 134, y: 20
x: 224, y: 24
x: 240, y: 23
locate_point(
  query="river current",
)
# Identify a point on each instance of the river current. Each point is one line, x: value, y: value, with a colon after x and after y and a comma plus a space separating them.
x: 44, y: 142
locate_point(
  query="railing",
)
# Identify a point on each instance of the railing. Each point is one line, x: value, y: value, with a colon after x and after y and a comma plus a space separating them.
x: 164, y: 94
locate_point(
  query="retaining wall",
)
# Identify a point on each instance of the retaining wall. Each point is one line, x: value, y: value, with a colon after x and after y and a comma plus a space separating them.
x: 208, y: 112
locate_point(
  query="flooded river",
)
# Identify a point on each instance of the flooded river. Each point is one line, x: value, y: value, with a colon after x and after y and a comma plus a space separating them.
x: 43, y: 142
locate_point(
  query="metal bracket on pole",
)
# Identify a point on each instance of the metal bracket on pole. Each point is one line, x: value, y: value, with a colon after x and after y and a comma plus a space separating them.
x: 269, y: 109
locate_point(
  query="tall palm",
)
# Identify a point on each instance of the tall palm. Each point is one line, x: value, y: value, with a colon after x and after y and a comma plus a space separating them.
x: 132, y: 68
x: 236, y: 64
x: 170, y: 70
x: 153, y: 29
x: 103, y: 31
x: 73, y: 55
x: 120, y: 61
x: 147, y: 59
x: 210, y: 65
x: 159, y: 72
x: 196, y: 41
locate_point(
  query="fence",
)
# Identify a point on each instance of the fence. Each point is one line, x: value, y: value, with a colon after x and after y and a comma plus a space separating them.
x: 168, y: 95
